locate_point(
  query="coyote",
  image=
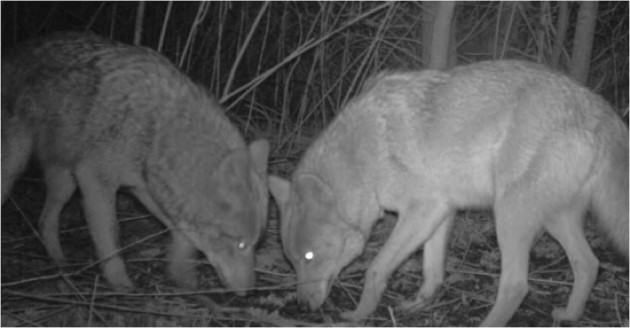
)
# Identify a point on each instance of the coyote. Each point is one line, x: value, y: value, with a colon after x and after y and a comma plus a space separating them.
x: 99, y: 115
x: 528, y: 142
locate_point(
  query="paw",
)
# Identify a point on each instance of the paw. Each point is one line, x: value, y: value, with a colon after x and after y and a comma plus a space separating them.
x: 121, y: 284
x: 57, y: 256
x: 563, y: 314
x: 117, y: 277
x: 352, y: 316
x: 413, y: 305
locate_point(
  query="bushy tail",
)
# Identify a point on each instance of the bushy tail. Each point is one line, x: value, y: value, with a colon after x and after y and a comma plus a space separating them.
x: 610, y: 189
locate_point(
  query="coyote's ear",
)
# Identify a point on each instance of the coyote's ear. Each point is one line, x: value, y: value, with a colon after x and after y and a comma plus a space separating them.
x: 315, y: 197
x: 280, y: 190
x: 310, y: 186
x: 233, y: 166
x: 259, y: 152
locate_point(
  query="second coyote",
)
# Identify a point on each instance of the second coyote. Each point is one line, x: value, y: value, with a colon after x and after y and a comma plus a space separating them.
x: 528, y: 142
x: 99, y: 115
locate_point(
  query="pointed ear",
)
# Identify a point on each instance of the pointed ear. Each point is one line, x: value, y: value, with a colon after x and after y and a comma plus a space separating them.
x: 280, y: 190
x: 233, y: 166
x: 259, y: 152
x: 310, y: 186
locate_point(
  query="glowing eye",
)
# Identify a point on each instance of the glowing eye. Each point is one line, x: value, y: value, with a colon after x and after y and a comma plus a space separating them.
x: 241, y: 245
x: 309, y: 255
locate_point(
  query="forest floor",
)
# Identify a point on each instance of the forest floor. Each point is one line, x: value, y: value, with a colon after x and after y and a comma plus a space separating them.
x: 36, y: 292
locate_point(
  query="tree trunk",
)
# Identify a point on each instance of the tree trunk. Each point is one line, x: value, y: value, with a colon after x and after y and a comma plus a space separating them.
x: 441, y: 35
x: 583, y: 41
x: 561, y: 33
x: 428, y: 18
x: 137, y: 36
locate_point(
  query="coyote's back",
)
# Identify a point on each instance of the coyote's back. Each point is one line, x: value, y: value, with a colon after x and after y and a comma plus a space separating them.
x: 99, y: 115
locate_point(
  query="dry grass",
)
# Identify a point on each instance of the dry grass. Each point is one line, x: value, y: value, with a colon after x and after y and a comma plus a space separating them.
x: 36, y: 292
x: 282, y: 71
